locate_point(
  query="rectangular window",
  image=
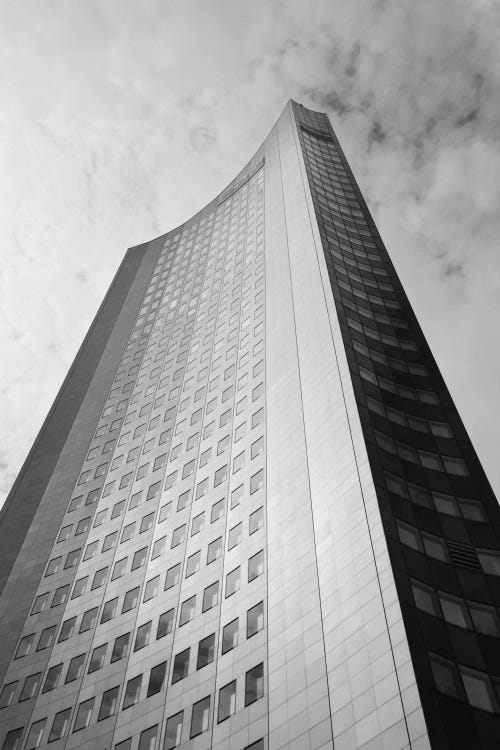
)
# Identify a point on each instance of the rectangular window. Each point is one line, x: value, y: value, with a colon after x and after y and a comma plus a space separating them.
x: 88, y: 619
x: 156, y: 679
x: 254, y: 684
x: 97, y: 658
x: 173, y: 732
x: 108, y: 703
x: 257, y: 481
x: 187, y: 611
x: 256, y: 566
x: 214, y: 550
x: 83, y: 715
x: 67, y: 629
x: 181, y: 666
x: 120, y: 647
x: 206, y: 650
x: 193, y: 563
x: 232, y: 582
x: 256, y: 520
x: 99, y: 578
x: 132, y: 692
x: 197, y: 523
x: 35, y: 734
x: 147, y: 740
x: 165, y: 623
x: 60, y: 596
x: 142, y: 636
x: 227, y: 701
x: 52, y: 679
x: 255, y: 619
x: 130, y: 599
x: 60, y: 725
x: 200, y: 717
x: 234, y: 536
x: 210, y: 596
x: 172, y: 577
x: 47, y: 638
x: 75, y: 668
x: 230, y: 636
x: 178, y: 536
x: 30, y: 687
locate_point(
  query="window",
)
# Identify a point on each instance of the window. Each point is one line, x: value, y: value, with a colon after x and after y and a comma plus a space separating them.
x: 172, y: 576
x: 187, y: 610
x: 257, y: 481
x: 142, y: 636
x: 159, y: 547
x: 109, y: 541
x: 455, y: 466
x: 165, y: 623
x: 30, y: 687
x: 485, y: 619
x: 91, y: 550
x: 183, y: 500
x: 206, y: 651
x: 132, y: 692
x: 13, y: 739
x: 60, y: 596
x: 446, y: 676
x: 257, y: 447
x: 147, y: 523
x: 46, y: 638
x: 454, y: 610
x: 165, y: 512
x: 220, y: 476
x: 147, y: 739
x: 238, y: 462
x: 83, y: 715
x: 7, y: 694
x: 232, y: 582
x: 217, y: 511
x: 258, y: 745
x: 139, y: 558
x: 193, y: 564
x: 210, y: 596
x: 479, y: 690
x: 119, y: 568
x: 256, y: 520
x: 490, y: 561
x: 65, y: 533
x: 173, y: 732
x: 425, y: 598
x: 108, y: 703
x: 130, y: 599
x: 471, y: 510
x: 52, y: 678
x: 181, y: 666
x: 99, y: 578
x: 79, y: 587
x: 227, y: 701
x: 257, y: 418
x: 237, y: 496
x: 67, y: 629
x: 118, y: 509
x: 82, y: 527
x: 214, y: 550
x: 97, y: 658
x: 156, y: 679
x: 35, y: 734
x: 435, y: 547
x: 60, y: 725
x: 197, y: 524
x: 254, y: 684
x: 53, y: 566
x: 256, y: 566
x: 75, y: 668
x: 178, y: 536
x: 200, y: 717
x: 409, y: 536
x: 255, y: 619
x: 151, y: 588
x: 201, y: 489
x: 120, y: 647
x: 88, y: 620
x: 234, y: 536
x: 230, y: 636
x: 109, y: 610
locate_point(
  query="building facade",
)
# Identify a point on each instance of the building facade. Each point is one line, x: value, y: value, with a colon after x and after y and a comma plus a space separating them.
x: 253, y: 518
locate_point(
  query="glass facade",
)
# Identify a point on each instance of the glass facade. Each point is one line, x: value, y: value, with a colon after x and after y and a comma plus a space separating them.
x: 255, y: 519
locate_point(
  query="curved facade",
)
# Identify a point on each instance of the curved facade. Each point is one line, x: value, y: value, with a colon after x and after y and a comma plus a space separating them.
x: 253, y: 518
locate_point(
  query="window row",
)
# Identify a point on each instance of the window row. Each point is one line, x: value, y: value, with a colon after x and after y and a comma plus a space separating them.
x: 405, y: 419
x: 442, y: 502
x: 436, y: 547
x: 449, y: 464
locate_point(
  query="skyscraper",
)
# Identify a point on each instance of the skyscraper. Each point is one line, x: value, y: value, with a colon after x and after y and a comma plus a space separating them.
x: 253, y: 518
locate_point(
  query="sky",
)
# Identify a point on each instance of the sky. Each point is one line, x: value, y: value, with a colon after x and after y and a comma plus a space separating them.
x: 120, y: 119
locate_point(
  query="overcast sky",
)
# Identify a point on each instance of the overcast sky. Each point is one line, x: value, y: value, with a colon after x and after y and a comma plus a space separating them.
x: 121, y: 118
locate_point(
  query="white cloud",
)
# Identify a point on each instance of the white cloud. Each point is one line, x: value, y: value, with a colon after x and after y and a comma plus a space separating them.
x: 121, y: 119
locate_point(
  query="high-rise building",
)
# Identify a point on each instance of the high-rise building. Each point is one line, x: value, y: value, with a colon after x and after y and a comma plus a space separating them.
x: 253, y: 518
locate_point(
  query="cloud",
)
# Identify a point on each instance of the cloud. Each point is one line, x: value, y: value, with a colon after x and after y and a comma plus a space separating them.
x: 121, y: 119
